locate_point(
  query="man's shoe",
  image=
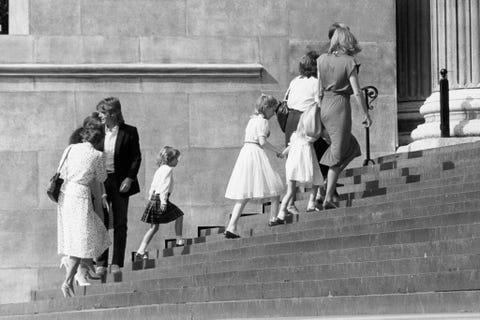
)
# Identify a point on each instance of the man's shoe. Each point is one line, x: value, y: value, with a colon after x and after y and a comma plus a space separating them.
x: 114, y: 268
x: 101, y: 271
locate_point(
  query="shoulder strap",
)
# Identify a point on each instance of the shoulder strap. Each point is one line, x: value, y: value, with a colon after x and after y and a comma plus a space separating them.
x: 289, y: 87
x: 62, y: 161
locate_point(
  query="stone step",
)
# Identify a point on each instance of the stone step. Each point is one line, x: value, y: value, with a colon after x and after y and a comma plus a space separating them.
x: 373, y: 254
x: 452, y: 153
x: 375, y: 209
x: 463, y: 302
x: 331, y: 225
x: 467, y: 280
x: 405, y: 266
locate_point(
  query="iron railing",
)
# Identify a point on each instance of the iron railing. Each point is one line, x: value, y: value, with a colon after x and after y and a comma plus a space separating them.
x: 371, y: 93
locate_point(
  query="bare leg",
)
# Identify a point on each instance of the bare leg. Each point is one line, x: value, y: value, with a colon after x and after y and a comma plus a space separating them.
x: 147, y: 238
x: 291, y: 187
x: 236, y: 213
x: 71, y: 266
x: 274, y: 207
x: 312, y: 198
x: 333, y: 174
x: 179, y: 231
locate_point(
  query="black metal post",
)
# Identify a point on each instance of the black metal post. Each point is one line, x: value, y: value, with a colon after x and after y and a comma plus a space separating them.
x: 371, y: 93
x: 444, y: 107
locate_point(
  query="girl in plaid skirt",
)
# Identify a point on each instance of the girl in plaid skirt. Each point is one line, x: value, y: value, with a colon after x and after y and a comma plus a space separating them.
x: 159, y: 209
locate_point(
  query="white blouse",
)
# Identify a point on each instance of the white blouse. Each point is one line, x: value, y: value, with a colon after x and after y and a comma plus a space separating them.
x: 257, y: 127
x: 162, y: 183
x: 303, y: 93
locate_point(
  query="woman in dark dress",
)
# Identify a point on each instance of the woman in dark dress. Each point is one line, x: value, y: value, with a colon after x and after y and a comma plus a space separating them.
x: 338, y: 80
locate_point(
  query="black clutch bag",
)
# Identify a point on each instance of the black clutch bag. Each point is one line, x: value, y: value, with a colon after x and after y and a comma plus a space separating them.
x: 53, y: 190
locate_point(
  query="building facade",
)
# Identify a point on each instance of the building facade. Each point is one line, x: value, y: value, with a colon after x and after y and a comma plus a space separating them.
x: 187, y: 73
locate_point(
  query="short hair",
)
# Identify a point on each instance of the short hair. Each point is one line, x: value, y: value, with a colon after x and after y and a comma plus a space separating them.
x: 265, y: 102
x: 334, y: 27
x: 92, y: 121
x: 112, y: 106
x: 344, y: 41
x: 94, y: 135
x: 308, y: 64
x: 167, y: 155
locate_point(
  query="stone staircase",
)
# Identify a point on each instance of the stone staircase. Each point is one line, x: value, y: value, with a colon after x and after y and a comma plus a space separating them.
x: 404, y: 244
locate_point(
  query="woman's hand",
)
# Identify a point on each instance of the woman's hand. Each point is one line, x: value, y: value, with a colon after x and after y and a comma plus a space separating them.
x: 163, y: 207
x: 367, y: 122
x: 280, y: 155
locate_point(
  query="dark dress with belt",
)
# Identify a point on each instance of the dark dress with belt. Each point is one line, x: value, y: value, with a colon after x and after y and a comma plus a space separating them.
x: 336, y: 111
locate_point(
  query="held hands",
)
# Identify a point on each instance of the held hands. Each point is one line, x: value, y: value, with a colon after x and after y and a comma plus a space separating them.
x: 126, y: 184
x: 280, y: 155
x: 367, y: 122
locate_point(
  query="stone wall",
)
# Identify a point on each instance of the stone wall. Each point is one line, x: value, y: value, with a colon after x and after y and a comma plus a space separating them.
x: 203, y: 116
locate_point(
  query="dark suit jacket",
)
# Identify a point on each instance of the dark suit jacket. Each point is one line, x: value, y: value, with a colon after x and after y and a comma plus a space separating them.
x: 127, y: 156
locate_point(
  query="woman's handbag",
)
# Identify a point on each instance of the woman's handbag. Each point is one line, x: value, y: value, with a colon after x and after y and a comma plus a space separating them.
x: 312, y: 122
x: 282, y: 114
x: 53, y: 190
x: 282, y: 111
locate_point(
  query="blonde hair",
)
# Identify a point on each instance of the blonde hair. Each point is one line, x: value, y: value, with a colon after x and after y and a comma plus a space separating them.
x: 265, y: 102
x: 167, y: 155
x: 344, y: 41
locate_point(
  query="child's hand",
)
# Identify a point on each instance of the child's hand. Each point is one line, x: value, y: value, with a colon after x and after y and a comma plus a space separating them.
x: 163, y: 207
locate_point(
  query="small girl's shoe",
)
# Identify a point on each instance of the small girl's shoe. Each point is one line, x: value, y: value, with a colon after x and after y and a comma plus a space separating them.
x: 231, y: 235
x: 141, y: 256
x: 276, y: 222
x: 81, y: 280
x: 180, y: 243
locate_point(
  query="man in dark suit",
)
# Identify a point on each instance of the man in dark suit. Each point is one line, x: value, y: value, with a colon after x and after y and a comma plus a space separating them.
x: 123, y: 158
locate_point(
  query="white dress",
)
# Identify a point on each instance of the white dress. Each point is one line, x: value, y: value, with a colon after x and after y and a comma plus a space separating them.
x: 302, y: 164
x: 81, y: 232
x: 253, y: 176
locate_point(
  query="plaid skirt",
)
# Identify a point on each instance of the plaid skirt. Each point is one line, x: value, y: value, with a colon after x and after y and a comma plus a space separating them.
x: 153, y: 214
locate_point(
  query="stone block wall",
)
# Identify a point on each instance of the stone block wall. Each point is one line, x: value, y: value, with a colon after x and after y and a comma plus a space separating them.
x: 204, y: 117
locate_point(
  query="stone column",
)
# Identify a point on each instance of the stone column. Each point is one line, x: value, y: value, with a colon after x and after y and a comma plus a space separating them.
x: 455, y: 46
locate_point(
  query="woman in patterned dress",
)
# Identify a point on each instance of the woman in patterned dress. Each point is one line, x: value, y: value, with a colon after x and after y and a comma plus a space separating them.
x: 81, y: 233
x: 338, y: 80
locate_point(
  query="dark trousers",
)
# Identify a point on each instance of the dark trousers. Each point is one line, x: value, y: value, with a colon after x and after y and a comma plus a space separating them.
x: 119, y: 206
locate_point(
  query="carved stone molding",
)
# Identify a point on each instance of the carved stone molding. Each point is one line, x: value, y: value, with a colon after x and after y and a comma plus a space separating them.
x: 132, y: 70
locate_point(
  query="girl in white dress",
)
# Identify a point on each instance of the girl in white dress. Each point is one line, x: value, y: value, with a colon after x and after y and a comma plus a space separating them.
x: 159, y: 209
x: 81, y: 232
x: 253, y: 176
x: 302, y: 166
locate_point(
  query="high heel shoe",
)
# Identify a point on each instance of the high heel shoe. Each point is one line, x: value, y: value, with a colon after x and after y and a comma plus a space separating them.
x: 67, y: 290
x: 81, y: 280
x: 90, y: 273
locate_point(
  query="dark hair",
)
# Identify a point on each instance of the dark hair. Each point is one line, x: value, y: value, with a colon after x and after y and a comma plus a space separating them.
x: 334, y: 27
x: 92, y: 135
x: 76, y: 136
x: 167, y: 155
x: 93, y: 122
x: 112, y: 106
x: 308, y: 64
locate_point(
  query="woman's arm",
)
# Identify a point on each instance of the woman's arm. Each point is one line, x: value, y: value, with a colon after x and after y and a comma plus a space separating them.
x: 360, y: 97
x: 267, y: 145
